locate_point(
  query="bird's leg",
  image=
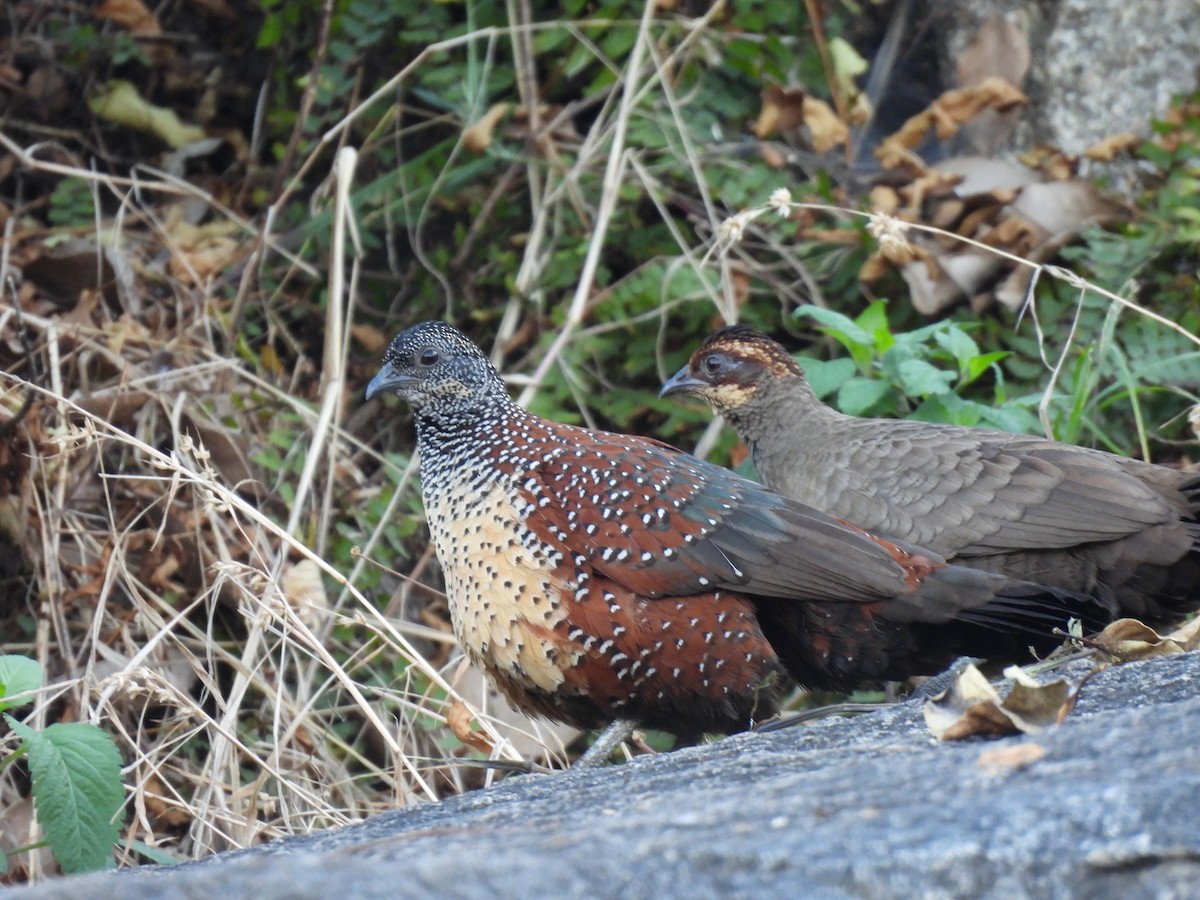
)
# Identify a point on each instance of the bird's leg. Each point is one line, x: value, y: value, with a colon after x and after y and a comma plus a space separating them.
x: 606, y: 743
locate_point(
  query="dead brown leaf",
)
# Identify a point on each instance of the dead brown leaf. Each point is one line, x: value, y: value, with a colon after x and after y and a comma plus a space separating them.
x: 946, y: 115
x: 305, y: 591
x: 1107, y: 149
x: 202, y: 251
x: 459, y: 718
x: 167, y: 812
x: 773, y: 155
x: 477, y: 136
x: 1009, y: 758
x: 1054, y: 162
x: 1129, y: 640
x: 370, y: 337
x: 782, y: 110
x: 972, y: 707
x: 219, y: 8
x: 130, y: 14
x: 824, y: 127
x: 1187, y: 635
x: 884, y: 199
x: 786, y: 109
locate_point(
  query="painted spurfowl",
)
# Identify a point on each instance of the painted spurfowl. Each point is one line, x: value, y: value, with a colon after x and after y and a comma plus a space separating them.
x: 1121, y: 530
x: 599, y: 577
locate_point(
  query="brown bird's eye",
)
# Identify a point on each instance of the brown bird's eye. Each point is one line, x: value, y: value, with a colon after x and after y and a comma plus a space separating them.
x: 713, y: 364
x: 429, y: 356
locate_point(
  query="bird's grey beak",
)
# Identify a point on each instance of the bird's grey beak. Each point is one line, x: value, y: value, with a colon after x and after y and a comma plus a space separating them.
x: 681, y: 382
x: 388, y: 379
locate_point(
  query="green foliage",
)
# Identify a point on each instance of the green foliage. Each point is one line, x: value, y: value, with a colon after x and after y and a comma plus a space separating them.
x: 1124, y: 376
x: 84, y: 43
x: 920, y: 374
x: 76, y: 772
x: 71, y: 203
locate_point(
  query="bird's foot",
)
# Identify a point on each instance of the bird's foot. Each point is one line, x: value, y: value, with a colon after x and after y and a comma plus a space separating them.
x: 608, y: 741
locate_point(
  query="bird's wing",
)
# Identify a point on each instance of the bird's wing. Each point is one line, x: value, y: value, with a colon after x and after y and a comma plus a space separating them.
x: 660, y: 522
x: 970, y: 493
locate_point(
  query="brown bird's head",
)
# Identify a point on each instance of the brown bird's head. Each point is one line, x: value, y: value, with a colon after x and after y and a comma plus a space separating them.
x: 731, y: 367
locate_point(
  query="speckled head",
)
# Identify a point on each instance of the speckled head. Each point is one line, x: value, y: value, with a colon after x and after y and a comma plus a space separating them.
x: 731, y: 366
x: 438, y: 371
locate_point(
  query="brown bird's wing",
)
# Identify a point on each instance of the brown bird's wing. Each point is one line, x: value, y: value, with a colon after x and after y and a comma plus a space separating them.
x: 659, y: 522
x: 969, y: 492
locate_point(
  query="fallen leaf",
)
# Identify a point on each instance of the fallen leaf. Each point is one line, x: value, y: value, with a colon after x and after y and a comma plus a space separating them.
x: 848, y: 64
x: 782, y: 110
x: 370, y: 337
x: 305, y: 591
x: 824, y: 127
x: 130, y: 14
x: 773, y: 155
x: 1107, y: 149
x: 1056, y: 163
x: 945, y: 116
x: 1129, y: 640
x: 1187, y: 635
x: 218, y: 8
x: 1009, y: 758
x: 167, y: 810
x: 459, y: 718
x: 971, y: 706
x: 478, y: 135
x: 1032, y: 705
x: 119, y: 101
x: 786, y: 109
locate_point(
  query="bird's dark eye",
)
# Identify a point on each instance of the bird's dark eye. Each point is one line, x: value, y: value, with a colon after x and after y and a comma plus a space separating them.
x: 713, y: 364
x: 429, y: 357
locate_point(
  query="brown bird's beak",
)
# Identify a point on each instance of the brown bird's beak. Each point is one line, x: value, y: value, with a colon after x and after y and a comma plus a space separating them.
x: 682, y: 382
x: 388, y: 379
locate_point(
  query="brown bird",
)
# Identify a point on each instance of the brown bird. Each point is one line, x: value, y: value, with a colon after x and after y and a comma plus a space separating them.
x: 599, y: 577
x: 1121, y: 530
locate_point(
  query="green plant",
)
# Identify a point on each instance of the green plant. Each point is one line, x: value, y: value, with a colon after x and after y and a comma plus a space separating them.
x: 71, y: 203
x: 76, y: 773
x: 929, y: 373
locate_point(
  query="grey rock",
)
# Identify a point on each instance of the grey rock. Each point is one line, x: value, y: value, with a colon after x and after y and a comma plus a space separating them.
x: 863, y: 807
x: 1099, y: 67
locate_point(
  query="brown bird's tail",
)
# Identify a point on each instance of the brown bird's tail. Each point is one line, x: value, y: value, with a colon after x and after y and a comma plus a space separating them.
x: 956, y: 611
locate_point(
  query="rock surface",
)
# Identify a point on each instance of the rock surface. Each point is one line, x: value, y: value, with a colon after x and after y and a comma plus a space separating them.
x: 1099, y: 67
x: 863, y: 807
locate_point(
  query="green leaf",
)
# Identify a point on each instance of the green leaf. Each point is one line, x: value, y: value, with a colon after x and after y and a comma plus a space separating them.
x: 156, y: 855
x: 18, y: 675
x: 959, y: 345
x: 77, y: 793
x: 920, y: 379
x: 874, y: 321
x: 838, y: 325
x: 860, y: 395
x: 977, y: 365
x: 1011, y: 418
x: 825, y: 377
x: 859, y: 342
x: 948, y: 409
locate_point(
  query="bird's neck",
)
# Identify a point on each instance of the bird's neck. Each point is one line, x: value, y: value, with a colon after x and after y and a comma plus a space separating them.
x: 451, y: 440
x: 786, y: 408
